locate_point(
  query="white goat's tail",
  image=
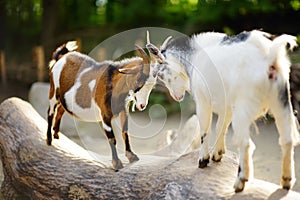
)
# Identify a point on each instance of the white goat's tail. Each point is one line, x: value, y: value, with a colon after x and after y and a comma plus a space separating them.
x: 277, y: 56
x: 62, y: 50
x: 278, y: 48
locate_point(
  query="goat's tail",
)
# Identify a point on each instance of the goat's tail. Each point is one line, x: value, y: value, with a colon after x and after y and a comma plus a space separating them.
x: 62, y: 50
x: 279, y: 45
x: 277, y: 53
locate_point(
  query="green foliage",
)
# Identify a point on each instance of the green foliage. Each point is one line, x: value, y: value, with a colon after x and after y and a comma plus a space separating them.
x: 162, y: 98
x: 25, y: 17
x: 295, y: 4
x: 94, y: 20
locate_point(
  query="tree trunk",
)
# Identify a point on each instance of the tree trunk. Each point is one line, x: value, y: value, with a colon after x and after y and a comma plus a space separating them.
x: 39, y: 60
x: 49, y: 25
x: 33, y: 170
x: 3, y: 68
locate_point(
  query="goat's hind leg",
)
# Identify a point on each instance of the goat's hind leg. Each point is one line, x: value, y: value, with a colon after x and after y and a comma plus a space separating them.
x: 59, y: 111
x: 241, y: 127
x: 288, y: 172
x: 286, y: 124
x: 55, y: 113
x: 51, y: 119
x: 124, y: 124
x: 50, y: 122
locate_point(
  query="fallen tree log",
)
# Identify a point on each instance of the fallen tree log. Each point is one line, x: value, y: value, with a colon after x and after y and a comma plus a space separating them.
x: 33, y: 170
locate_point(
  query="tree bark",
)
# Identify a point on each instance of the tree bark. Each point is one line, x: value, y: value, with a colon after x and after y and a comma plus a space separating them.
x: 33, y: 170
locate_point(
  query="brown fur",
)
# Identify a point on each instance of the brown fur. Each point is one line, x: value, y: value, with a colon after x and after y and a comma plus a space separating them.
x: 51, y: 90
x: 68, y: 74
x: 84, y: 94
x: 110, y: 92
x: 120, y: 86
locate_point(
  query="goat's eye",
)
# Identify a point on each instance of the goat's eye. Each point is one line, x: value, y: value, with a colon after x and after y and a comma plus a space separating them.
x: 141, y: 85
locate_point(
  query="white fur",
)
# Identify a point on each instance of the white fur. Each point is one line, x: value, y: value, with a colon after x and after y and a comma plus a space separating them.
x: 92, y: 85
x: 142, y: 96
x: 232, y: 80
x: 57, y: 70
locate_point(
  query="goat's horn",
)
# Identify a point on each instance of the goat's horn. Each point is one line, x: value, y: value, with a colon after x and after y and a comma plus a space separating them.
x: 148, y: 37
x: 164, y: 45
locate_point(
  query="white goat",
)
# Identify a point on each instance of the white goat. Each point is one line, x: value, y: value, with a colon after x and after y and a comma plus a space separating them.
x: 93, y: 91
x: 239, y: 78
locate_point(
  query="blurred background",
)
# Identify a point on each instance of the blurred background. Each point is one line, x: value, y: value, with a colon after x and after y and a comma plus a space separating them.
x: 30, y: 30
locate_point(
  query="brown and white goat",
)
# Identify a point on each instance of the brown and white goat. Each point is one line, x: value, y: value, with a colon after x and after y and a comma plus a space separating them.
x: 93, y: 91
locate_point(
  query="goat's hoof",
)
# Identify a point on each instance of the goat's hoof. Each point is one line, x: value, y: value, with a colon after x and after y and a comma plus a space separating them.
x: 203, y: 162
x: 239, y: 185
x: 117, y: 165
x: 132, y: 157
x: 49, y: 141
x: 286, y: 183
x: 217, y: 156
x: 56, y: 136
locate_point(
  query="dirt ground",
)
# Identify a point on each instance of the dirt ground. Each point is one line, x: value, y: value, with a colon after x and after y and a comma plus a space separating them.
x: 267, y: 156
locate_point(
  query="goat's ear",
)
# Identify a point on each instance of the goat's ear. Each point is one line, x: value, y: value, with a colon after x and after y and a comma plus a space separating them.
x: 129, y: 69
x: 143, y: 54
x: 155, y: 52
x: 146, y: 61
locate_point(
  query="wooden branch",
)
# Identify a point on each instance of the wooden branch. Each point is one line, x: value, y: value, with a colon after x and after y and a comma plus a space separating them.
x: 34, y: 170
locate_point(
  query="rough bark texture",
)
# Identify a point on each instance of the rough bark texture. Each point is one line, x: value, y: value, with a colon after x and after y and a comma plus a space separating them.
x: 33, y: 170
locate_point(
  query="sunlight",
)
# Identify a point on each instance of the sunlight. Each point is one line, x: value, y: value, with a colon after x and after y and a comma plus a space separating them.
x: 295, y: 4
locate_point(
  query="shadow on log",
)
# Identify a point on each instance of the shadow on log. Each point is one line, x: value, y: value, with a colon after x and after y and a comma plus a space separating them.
x: 33, y: 170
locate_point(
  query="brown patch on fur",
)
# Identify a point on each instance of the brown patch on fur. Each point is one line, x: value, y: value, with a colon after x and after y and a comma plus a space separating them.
x: 70, y: 70
x: 74, y: 66
x: 112, y: 88
x: 84, y: 94
x: 51, y: 90
x: 122, y: 84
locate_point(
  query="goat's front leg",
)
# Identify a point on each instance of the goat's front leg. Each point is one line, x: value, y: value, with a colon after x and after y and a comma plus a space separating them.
x: 116, y: 162
x: 204, y: 115
x: 124, y: 124
x: 57, y: 118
